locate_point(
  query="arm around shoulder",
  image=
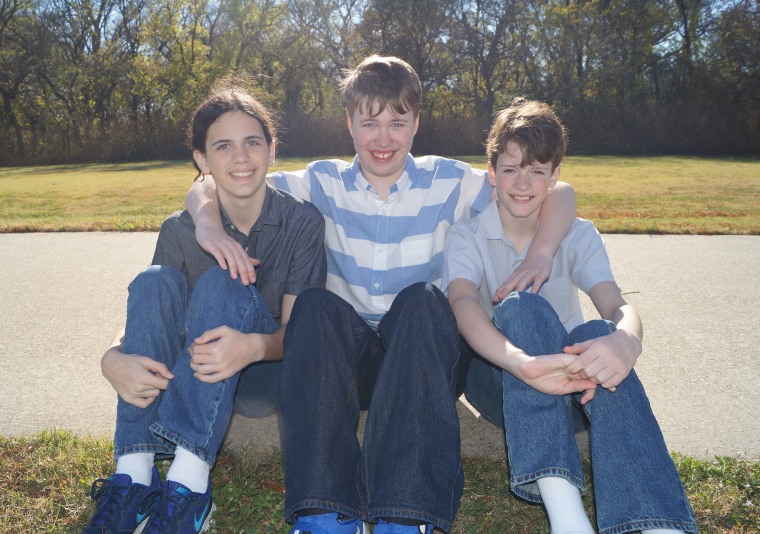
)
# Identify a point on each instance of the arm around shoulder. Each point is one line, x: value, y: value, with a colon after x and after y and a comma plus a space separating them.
x: 202, y: 203
x: 557, y: 215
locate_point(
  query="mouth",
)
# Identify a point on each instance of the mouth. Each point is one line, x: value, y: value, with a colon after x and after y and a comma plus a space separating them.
x: 241, y: 175
x: 521, y: 198
x: 381, y: 155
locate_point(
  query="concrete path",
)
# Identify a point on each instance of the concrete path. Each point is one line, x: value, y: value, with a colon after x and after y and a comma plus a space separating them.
x: 63, y: 296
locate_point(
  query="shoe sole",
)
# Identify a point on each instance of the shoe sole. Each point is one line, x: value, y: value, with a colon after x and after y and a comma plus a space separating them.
x: 206, y: 524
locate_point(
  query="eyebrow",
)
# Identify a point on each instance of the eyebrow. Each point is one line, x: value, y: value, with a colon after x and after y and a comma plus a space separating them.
x: 246, y: 138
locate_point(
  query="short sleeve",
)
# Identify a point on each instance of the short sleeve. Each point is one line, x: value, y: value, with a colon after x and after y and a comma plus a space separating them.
x: 461, y: 256
x: 168, y: 249
x: 297, y: 183
x: 476, y: 192
x: 308, y: 267
x: 591, y: 264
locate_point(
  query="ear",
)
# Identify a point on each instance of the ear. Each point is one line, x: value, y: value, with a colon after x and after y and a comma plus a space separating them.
x: 491, y: 174
x: 554, y: 177
x: 271, y: 152
x: 200, y: 160
x: 416, y: 123
x: 348, y: 120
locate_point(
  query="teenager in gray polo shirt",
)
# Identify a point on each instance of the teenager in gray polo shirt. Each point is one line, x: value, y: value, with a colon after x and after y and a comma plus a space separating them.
x: 636, y: 485
x: 199, y: 345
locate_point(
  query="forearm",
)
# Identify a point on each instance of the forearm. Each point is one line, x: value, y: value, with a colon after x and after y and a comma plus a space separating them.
x: 557, y: 215
x: 629, y: 329
x: 484, y: 338
x: 268, y: 347
x: 202, y: 203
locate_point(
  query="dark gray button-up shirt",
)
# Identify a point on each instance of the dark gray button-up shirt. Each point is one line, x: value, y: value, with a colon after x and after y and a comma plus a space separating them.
x: 288, y: 238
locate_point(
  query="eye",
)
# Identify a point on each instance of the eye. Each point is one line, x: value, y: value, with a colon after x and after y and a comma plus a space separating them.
x: 222, y: 146
x: 253, y: 142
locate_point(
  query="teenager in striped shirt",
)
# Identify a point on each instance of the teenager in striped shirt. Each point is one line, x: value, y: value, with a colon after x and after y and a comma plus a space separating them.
x: 382, y: 337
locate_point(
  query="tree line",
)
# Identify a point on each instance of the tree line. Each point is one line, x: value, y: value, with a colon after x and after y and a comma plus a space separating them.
x: 116, y: 80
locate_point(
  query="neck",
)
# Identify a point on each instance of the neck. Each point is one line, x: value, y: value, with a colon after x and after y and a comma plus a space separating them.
x: 243, y: 212
x: 519, y: 230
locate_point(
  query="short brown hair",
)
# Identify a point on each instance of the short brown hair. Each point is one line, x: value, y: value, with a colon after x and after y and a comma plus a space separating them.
x: 385, y: 81
x: 227, y: 94
x: 534, y: 126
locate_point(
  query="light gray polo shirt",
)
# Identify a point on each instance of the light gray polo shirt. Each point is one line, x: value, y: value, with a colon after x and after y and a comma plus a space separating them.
x: 477, y: 250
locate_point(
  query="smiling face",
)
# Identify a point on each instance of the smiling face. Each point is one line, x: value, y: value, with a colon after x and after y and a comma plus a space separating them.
x: 382, y: 142
x: 237, y: 156
x: 521, y: 190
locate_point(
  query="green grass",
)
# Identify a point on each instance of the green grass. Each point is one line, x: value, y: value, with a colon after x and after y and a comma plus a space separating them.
x: 46, y: 478
x: 655, y: 195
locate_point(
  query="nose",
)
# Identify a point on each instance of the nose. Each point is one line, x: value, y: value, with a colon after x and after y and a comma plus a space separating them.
x: 522, y: 180
x: 239, y: 154
x: 383, y: 137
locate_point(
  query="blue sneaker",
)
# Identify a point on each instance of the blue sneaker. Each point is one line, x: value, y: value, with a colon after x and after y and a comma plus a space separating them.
x: 122, y: 507
x: 180, y: 511
x: 383, y: 527
x: 331, y: 523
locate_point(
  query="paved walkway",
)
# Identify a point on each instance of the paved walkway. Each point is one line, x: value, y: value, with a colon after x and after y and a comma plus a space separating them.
x: 63, y: 295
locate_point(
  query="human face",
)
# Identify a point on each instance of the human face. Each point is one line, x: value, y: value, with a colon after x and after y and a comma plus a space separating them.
x: 521, y: 190
x: 382, y: 143
x: 237, y: 156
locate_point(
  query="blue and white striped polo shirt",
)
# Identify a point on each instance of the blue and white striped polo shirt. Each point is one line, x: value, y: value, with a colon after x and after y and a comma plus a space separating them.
x: 375, y: 248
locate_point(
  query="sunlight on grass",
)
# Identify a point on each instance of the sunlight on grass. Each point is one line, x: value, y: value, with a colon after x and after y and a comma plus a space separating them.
x: 669, y: 195
x: 46, y: 481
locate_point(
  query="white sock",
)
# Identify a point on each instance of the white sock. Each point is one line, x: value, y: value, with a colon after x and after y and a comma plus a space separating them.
x: 189, y: 470
x: 564, y: 506
x: 138, y: 465
x: 661, y: 531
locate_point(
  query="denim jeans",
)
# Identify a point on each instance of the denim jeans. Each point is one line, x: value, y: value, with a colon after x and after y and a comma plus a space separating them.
x: 636, y: 485
x: 406, y: 375
x: 163, y: 317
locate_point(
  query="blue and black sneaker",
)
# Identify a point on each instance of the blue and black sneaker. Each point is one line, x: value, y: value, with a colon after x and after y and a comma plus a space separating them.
x: 331, y: 523
x: 122, y: 507
x: 181, y: 511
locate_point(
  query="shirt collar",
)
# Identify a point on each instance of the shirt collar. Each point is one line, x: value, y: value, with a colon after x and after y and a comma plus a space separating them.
x: 269, y: 214
x: 398, y: 188
x: 490, y: 228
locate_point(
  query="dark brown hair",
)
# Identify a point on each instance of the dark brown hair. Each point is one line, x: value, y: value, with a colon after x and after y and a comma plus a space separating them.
x: 534, y: 126
x: 226, y: 95
x: 382, y: 81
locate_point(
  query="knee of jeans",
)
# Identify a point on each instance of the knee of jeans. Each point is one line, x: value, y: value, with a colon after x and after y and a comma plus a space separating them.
x: 163, y: 281
x: 521, y: 304
x: 421, y: 295
x: 313, y: 302
x: 217, y: 282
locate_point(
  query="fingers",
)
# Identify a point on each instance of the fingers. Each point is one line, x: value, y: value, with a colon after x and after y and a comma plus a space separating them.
x: 211, y: 335
x: 588, y: 396
x: 158, y: 369
x: 231, y: 256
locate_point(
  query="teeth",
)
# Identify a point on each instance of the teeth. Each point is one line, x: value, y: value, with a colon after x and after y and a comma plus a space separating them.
x: 382, y: 155
x: 241, y: 174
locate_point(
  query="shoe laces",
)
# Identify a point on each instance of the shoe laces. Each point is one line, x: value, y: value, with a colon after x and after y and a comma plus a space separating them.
x: 171, y: 500
x: 109, y: 496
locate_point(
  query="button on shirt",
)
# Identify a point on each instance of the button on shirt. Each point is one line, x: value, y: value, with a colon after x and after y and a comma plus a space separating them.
x: 287, y: 238
x: 476, y: 250
x: 376, y: 248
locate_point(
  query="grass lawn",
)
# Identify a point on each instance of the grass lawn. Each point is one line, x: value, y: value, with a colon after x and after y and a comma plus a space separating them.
x: 667, y: 195
x: 46, y: 481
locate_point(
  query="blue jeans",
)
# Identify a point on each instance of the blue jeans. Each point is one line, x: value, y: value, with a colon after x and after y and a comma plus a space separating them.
x: 406, y: 375
x: 163, y: 317
x: 636, y: 485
